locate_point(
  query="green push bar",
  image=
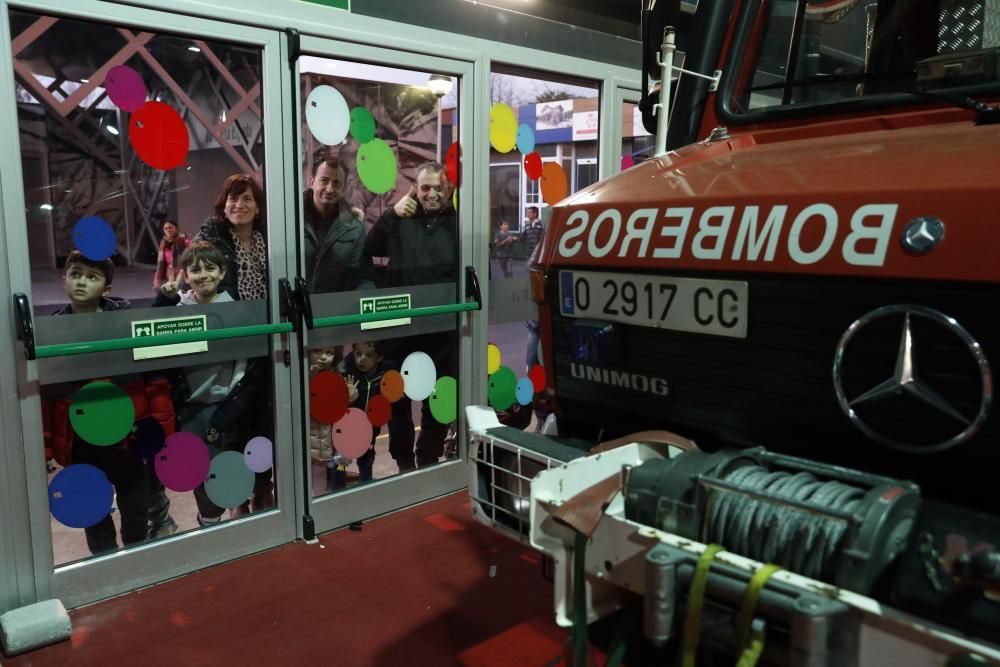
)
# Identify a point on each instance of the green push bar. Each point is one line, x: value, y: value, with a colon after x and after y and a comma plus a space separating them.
x: 112, y: 344
x: 425, y: 311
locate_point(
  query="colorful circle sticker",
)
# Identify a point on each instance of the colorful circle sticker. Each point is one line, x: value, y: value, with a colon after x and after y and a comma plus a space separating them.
x: 444, y: 400
x: 376, y: 165
x: 80, y: 496
x: 537, y: 377
x: 327, y: 115
x: 627, y: 161
x: 102, y: 413
x: 392, y: 386
x: 553, y: 183
x: 94, y: 238
x: 503, y: 128
x: 159, y: 136
x: 149, y: 438
x: 258, y: 455
x: 501, y: 388
x: 182, y: 465
x: 352, y: 435
x: 525, y: 138
x: 453, y: 164
x: 229, y: 482
x: 533, y: 166
x: 493, y: 359
x: 419, y: 375
x: 126, y: 88
x: 328, y: 397
x: 379, y: 410
x: 524, y: 392
x: 362, y: 125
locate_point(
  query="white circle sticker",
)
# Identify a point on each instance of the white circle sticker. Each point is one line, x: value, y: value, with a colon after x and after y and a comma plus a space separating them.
x: 419, y: 376
x: 327, y: 115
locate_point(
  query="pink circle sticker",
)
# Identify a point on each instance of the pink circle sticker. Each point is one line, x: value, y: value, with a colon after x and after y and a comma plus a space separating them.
x: 352, y: 435
x: 125, y: 88
x: 183, y: 462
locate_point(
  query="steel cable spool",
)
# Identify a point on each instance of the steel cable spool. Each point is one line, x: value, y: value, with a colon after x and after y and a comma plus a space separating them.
x: 828, y: 523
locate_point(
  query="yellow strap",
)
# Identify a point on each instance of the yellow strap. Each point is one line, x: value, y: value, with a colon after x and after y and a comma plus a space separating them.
x: 751, y: 654
x: 757, y: 583
x: 696, y: 596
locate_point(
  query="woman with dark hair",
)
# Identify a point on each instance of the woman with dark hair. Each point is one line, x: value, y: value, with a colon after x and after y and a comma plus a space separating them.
x: 237, y: 230
x: 168, y: 256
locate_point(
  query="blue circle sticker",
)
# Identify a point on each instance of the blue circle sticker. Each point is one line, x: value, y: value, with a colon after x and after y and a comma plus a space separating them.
x: 94, y: 238
x: 80, y: 496
x: 525, y: 391
x: 149, y: 438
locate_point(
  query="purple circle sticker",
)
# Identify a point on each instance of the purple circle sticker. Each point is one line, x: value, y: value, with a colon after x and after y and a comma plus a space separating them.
x: 259, y: 454
x: 125, y: 88
x: 182, y: 464
x: 352, y: 435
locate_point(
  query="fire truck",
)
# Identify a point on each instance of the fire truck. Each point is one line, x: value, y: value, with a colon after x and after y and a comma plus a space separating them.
x: 768, y: 349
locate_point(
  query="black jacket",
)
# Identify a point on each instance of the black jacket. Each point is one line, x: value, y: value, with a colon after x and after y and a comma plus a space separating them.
x: 337, y: 262
x: 422, y: 250
x: 107, y: 303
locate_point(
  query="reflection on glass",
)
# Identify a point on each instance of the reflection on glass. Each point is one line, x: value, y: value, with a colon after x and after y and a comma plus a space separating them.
x: 382, y: 163
x: 128, y: 145
x: 637, y: 143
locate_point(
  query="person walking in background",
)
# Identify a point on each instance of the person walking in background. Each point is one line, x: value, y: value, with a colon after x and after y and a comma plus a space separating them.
x: 172, y: 246
x: 533, y: 230
x: 503, y: 248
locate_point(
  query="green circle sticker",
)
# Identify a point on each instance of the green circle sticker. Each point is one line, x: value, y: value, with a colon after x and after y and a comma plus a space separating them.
x: 376, y: 164
x: 102, y: 413
x: 444, y: 400
x: 502, y: 386
x: 229, y: 481
x: 362, y: 125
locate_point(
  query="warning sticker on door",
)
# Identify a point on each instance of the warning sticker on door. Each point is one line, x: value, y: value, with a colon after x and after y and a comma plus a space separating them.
x: 376, y: 305
x: 164, y: 327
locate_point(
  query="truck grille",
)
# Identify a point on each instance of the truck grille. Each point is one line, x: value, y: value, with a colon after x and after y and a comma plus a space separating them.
x: 775, y: 388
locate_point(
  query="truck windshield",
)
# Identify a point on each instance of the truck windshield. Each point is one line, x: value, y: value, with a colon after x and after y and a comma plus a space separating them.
x: 807, y: 53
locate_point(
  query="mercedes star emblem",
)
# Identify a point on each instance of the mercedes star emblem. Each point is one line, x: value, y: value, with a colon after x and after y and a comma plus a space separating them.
x: 921, y: 235
x: 906, y: 379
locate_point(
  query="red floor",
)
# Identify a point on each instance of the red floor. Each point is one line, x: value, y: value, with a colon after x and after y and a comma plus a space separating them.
x: 412, y: 588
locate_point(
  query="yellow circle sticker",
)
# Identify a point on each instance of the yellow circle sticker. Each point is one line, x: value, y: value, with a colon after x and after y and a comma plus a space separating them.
x: 503, y: 128
x: 492, y: 359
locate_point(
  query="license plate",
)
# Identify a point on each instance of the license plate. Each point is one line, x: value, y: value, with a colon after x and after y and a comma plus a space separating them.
x: 715, y: 307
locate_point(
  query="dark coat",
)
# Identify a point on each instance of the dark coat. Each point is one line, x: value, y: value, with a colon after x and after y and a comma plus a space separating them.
x: 422, y: 250
x: 337, y: 262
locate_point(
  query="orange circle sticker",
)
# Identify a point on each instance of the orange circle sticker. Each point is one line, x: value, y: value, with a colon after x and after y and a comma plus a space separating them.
x: 392, y: 386
x: 553, y: 183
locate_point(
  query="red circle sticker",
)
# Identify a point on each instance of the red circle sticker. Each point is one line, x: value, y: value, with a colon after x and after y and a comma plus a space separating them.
x: 537, y: 377
x: 328, y: 397
x: 453, y: 164
x: 159, y: 136
x: 533, y: 165
x: 379, y: 410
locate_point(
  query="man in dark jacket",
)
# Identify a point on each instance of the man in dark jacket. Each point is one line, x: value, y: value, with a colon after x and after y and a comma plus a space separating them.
x: 419, y: 235
x: 334, y: 234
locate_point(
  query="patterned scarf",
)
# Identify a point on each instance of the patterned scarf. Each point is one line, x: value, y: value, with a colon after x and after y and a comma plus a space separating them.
x: 251, y: 268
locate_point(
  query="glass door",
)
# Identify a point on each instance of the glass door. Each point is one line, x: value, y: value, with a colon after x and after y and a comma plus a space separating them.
x: 144, y: 214
x: 383, y: 239
x: 633, y: 141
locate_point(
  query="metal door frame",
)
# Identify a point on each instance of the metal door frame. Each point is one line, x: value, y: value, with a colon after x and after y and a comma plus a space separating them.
x: 82, y: 582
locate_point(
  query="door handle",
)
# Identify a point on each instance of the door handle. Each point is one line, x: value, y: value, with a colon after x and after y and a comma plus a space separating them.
x: 304, y: 301
x: 25, y: 327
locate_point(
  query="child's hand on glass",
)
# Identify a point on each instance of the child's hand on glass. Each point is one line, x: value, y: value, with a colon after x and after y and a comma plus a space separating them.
x: 352, y: 388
